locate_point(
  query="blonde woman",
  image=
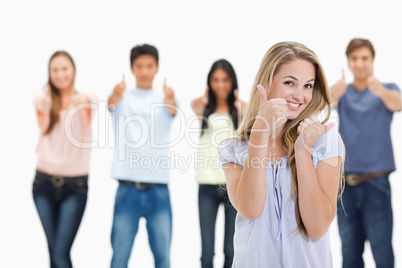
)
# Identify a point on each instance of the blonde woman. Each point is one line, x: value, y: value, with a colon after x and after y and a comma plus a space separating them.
x: 283, y: 166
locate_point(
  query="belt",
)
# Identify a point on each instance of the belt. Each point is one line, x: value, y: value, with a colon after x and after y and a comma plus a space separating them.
x: 142, y: 185
x: 353, y: 179
x: 58, y: 181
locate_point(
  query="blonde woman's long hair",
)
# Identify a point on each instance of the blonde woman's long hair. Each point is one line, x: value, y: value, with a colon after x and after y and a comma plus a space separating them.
x: 279, y: 54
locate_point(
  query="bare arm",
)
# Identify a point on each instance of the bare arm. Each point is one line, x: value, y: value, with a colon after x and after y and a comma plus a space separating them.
x: 43, y: 104
x: 43, y: 120
x: 338, y: 90
x: 117, y: 94
x: 334, y: 100
x: 171, y: 105
x: 317, y: 192
x: 317, y: 188
x: 247, y: 187
x: 170, y: 101
x: 240, y: 105
x: 83, y: 101
x: 198, y: 104
x: 391, y: 99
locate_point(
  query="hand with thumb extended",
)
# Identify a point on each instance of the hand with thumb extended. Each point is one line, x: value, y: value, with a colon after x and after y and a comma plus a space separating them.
x: 309, y: 130
x: 169, y: 92
x: 43, y: 103
x: 340, y: 87
x: 273, y: 112
x: 374, y: 85
x: 120, y: 87
x: 239, y: 104
x: 198, y: 105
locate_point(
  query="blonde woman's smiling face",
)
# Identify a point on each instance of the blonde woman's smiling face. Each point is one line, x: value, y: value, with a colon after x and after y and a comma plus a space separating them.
x: 294, y: 82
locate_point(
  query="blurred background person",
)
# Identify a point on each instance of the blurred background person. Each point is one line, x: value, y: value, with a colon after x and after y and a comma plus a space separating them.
x: 365, y: 108
x: 61, y: 181
x: 220, y: 110
x: 143, y: 192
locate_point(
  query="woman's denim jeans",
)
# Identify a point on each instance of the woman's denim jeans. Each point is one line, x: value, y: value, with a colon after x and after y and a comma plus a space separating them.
x: 209, y: 199
x: 368, y: 217
x: 60, y: 209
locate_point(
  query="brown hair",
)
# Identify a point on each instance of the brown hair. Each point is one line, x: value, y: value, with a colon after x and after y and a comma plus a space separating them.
x: 358, y: 43
x: 54, y: 92
x: 279, y: 54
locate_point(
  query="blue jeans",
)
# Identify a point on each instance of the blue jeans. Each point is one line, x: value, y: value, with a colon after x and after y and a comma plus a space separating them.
x: 209, y: 199
x: 60, y: 210
x: 368, y: 217
x: 130, y: 205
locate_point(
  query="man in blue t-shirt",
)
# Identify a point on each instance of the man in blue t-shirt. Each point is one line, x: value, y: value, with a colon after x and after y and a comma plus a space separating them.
x: 142, y: 121
x: 365, y: 109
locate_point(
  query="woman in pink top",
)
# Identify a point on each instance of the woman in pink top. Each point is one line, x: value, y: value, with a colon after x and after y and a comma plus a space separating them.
x: 60, y: 186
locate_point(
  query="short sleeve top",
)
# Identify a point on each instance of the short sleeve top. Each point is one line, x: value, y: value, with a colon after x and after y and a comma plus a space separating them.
x: 142, y: 128
x: 271, y: 240
x: 365, y: 127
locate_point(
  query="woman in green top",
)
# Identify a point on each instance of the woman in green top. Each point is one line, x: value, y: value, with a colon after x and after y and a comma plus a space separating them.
x: 220, y: 111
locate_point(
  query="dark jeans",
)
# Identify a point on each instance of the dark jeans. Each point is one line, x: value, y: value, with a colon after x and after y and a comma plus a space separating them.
x: 60, y: 203
x: 368, y: 217
x: 131, y: 204
x: 209, y: 199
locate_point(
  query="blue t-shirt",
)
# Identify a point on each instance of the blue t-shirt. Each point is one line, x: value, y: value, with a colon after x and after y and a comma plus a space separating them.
x: 364, y: 124
x: 142, y: 126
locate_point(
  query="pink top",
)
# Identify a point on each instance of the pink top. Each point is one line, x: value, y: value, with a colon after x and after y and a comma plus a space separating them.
x: 65, y: 151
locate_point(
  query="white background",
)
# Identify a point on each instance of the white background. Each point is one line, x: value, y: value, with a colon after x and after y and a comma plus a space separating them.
x: 190, y: 36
